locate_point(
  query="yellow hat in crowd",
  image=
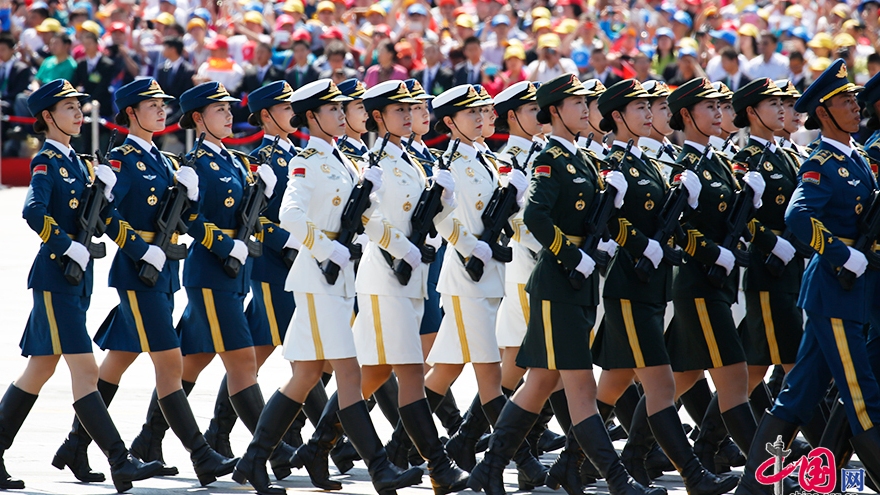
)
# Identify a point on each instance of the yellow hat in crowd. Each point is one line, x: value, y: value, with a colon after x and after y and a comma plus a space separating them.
x: 49, y: 26
x: 822, y: 40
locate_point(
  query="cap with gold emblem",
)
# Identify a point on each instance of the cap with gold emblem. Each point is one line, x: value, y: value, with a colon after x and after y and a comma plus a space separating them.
x: 137, y: 91
x: 594, y: 88
x: 416, y: 90
x: 203, y: 95
x: 832, y: 82
x: 750, y: 95
x: 387, y: 93
x: 269, y: 95
x: 484, y: 95
x: 316, y: 94
x: 691, y: 93
x: 50, y: 94
x: 514, y: 97
x: 352, y: 88
x: 722, y: 88
x: 620, y: 94
x: 790, y: 89
x: 560, y: 88
x: 657, y: 89
x: 455, y: 99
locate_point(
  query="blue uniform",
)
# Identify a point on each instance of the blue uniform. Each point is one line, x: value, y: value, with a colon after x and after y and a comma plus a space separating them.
x: 214, y: 319
x: 57, y: 323
x: 832, y: 190
x: 143, y: 320
x: 271, y: 307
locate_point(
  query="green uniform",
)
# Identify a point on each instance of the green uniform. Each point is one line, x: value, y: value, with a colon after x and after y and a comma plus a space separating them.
x: 773, y: 326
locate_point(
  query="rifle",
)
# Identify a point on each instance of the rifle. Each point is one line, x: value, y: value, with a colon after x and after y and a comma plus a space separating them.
x: 596, y: 224
x: 775, y: 265
x: 90, y: 222
x: 169, y: 219
x: 495, y: 222
x: 249, y: 220
x: 352, y: 223
x: 422, y: 222
x: 288, y: 255
x: 869, y: 229
x: 669, y: 216
x: 741, y: 213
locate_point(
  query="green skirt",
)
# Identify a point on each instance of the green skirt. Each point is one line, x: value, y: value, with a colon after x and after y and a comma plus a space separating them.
x: 702, y: 336
x: 772, y: 329
x: 558, y: 336
x: 630, y: 335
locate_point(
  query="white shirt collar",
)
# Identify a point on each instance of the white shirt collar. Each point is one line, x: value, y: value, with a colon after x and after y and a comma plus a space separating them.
x: 175, y: 64
x: 465, y: 149
x: 471, y: 67
x: 764, y: 142
x: 417, y: 146
x: 214, y: 147
x: 634, y: 150
x: 284, y: 142
x: 699, y: 147
x: 569, y: 145
x: 652, y: 144
x: 598, y: 148
x: 321, y: 145
x: 481, y: 147
x: 520, y: 142
x: 837, y: 144
x: 92, y: 62
x: 357, y: 142
x: 65, y: 150
x: 148, y: 147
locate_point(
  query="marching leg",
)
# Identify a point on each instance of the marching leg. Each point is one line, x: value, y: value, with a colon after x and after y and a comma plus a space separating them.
x: 222, y: 423
x: 14, y: 408
x: 74, y: 452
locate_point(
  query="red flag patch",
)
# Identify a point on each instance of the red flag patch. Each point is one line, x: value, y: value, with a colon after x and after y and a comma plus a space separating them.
x: 874, y: 168
x: 299, y: 172
x: 39, y: 169
x: 542, y: 171
x: 739, y: 168
x: 813, y: 177
x: 116, y: 165
x: 676, y: 179
x: 504, y: 170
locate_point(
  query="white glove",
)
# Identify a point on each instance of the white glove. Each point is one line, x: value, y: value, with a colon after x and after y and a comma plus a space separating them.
x: 482, y: 251
x: 443, y: 178
x: 108, y: 178
x: 292, y: 243
x: 239, y: 251
x: 267, y: 175
x: 362, y: 240
x: 518, y: 180
x: 725, y: 259
x: 616, y: 180
x: 856, y: 263
x: 436, y: 241
x: 608, y: 246
x: 374, y: 175
x: 693, y: 186
x: 155, y: 256
x: 783, y: 250
x: 340, y: 255
x: 80, y: 254
x: 654, y: 252
x: 587, y: 265
x: 189, y: 179
x: 756, y: 181
x: 414, y: 256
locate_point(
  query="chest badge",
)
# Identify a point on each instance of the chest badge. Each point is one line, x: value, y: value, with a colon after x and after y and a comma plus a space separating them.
x: 397, y: 172
x: 325, y: 168
x: 853, y: 182
x: 634, y: 171
x: 722, y: 206
x: 649, y: 204
x: 407, y: 206
x: 776, y: 176
x: 707, y: 175
x: 780, y: 199
x: 141, y: 166
x: 644, y: 182
x: 580, y: 204
x: 579, y: 180
x: 479, y: 205
x: 859, y: 208
x: 152, y: 200
x: 768, y: 166
x: 69, y: 180
x: 843, y: 172
x: 282, y: 162
x: 73, y: 203
x: 229, y: 202
x: 62, y: 171
x: 571, y: 169
x: 336, y: 201
x: 469, y: 171
x: 214, y: 166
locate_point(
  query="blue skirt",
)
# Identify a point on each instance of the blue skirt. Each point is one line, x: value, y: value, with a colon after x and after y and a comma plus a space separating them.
x: 213, y: 321
x: 433, y: 313
x: 141, y: 323
x: 269, y: 313
x: 57, y: 325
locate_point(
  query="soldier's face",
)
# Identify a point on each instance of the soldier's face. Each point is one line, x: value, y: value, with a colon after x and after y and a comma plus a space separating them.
x: 67, y: 116
x: 280, y: 115
x: 150, y: 115
x: 573, y: 111
x: 332, y: 118
x: 397, y: 119
x: 727, y: 116
x: 661, y: 115
x: 421, y: 119
x: 637, y: 117
x: 845, y: 110
x: 468, y: 123
x: 527, y: 117
x: 706, y: 117
x: 791, y: 119
x: 489, y: 117
x: 772, y: 113
x: 217, y: 119
x: 356, y: 116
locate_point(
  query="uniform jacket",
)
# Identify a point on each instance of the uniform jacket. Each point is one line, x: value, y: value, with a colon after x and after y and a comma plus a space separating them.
x: 525, y: 246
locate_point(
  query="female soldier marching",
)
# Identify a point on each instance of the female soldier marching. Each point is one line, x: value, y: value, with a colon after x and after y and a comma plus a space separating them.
x: 57, y: 323
x: 143, y: 320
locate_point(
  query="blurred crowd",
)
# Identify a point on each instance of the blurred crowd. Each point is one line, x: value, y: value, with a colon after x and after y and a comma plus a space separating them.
x: 100, y: 46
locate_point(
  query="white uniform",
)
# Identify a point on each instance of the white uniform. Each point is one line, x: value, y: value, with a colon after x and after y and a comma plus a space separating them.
x: 321, y: 181
x: 513, y: 315
x: 467, y: 332
x: 386, y: 330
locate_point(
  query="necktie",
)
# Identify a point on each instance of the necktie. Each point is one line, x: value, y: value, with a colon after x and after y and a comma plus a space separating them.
x: 861, y: 161
x: 428, y: 80
x: 158, y: 156
x: 475, y: 76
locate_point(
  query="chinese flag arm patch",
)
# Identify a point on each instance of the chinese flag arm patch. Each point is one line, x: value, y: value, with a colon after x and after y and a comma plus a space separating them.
x: 542, y: 171
x: 739, y: 168
x: 812, y: 177
x: 116, y: 165
x: 39, y: 169
x: 299, y: 172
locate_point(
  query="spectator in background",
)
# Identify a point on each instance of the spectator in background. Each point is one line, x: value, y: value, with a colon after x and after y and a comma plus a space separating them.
x: 60, y: 65
x: 873, y: 64
x: 302, y: 72
x: 127, y: 62
x: 796, y: 66
x: 261, y: 72
x: 687, y: 68
x: 641, y: 63
x: 514, y: 64
x: 175, y: 76
x: 406, y: 57
x: 194, y: 42
x: 601, y: 70
x: 336, y: 54
x: 734, y: 77
x: 550, y: 63
x: 494, y: 49
x: 220, y: 67
x: 93, y: 76
x: 665, y: 52
x: 769, y: 63
x: 471, y: 71
x: 434, y: 78
x: 386, y: 69
x: 15, y: 75
x: 748, y: 41
x: 30, y: 39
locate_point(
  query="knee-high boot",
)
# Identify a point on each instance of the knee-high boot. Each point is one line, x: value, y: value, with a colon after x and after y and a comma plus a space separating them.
x: 386, y: 399
x: 541, y: 438
x: 448, y: 413
x: 276, y: 418
x: 147, y: 446
x: 867, y: 446
x: 313, y: 454
x: 74, y: 452
x: 248, y: 404
x: 446, y: 477
x: 712, y: 433
x: 625, y: 407
x: 836, y: 438
x: 124, y: 468
x: 741, y: 425
x: 222, y: 423
x: 760, y: 400
x: 696, y: 402
x: 768, y: 430
x: 14, y: 408
x: 462, y: 445
x: 530, y: 471
x: 311, y: 410
x: 569, y: 471
x: 510, y: 429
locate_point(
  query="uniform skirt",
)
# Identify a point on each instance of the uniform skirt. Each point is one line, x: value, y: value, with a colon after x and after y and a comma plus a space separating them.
x: 558, y: 337
x: 141, y: 323
x: 702, y: 335
x: 320, y: 328
x: 772, y: 329
x: 467, y: 332
x: 269, y: 312
x: 57, y: 325
x: 630, y: 335
x: 433, y: 313
x: 513, y: 316
x: 385, y: 330
x: 213, y: 321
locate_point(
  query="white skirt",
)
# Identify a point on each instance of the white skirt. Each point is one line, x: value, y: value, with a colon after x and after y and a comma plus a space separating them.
x: 467, y: 332
x: 513, y: 316
x: 320, y: 328
x: 386, y: 330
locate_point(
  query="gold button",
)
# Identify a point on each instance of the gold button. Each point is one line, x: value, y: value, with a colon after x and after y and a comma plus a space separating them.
x: 52, y: 256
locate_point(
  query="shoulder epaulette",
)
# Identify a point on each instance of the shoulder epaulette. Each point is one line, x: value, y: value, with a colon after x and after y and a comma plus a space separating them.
x: 51, y: 154
x: 617, y: 155
x: 203, y: 152
x: 128, y: 148
x: 690, y: 157
x: 264, y: 154
x: 456, y: 156
x: 306, y: 153
x: 821, y: 156
x: 515, y: 150
x: 437, y: 153
x: 556, y: 151
x: 747, y: 152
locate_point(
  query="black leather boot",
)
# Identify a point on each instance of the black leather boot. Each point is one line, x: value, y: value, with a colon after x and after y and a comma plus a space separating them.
x: 625, y: 406
x: 124, y: 468
x: 760, y: 400
x: 207, y: 463
x: 777, y: 378
x: 666, y: 428
x: 222, y: 423
x: 696, y: 402
x: 768, y: 430
x: 399, y: 446
x: 510, y: 430
x: 147, y: 446
x: 446, y: 477
x: 311, y: 410
x: 594, y: 440
x: 74, y: 452
x: 462, y: 445
x: 567, y: 472
x: 712, y: 433
x: 867, y: 446
x: 248, y: 404
x: 447, y: 412
x: 386, y: 399
x: 359, y: 428
x: 814, y: 429
x: 741, y: 424
x: 276, y: 418
x: 313, y: 454
x: 530, y: 471
x: 14, y: 408
x: 638, y: 444
x: 836, y: 438
x: 541, y: 438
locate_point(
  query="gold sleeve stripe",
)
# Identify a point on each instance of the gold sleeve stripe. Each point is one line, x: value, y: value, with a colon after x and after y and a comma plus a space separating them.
x: 456, y: 231
x: 386, y: 235
x: 817, y: 242
x: 265, y: 221
x: 556, y: 245
x: 753, y: 227
x: 693, y: 236
x: 517, y: 224
x: 623, y: 233
x: 107, y: 222
x: 364, y: 219
x: 208, y: 240
x: 122, y: 236
x: 48, y: 223
x: 310, y: 236
x: 193, y: 217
